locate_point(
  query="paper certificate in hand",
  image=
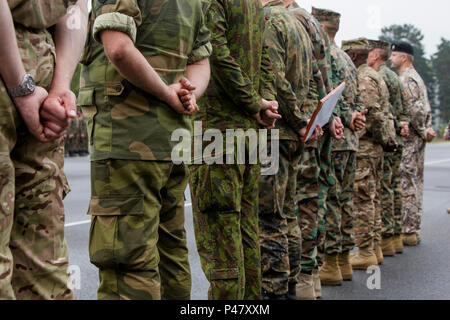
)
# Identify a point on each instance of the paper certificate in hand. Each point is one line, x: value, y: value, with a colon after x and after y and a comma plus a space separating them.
x: 323, y: 112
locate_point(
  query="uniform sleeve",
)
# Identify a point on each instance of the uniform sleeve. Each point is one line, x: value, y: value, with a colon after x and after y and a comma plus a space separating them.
x: 376, y: 124
x: 289, y: 104
x: 417, y: 109
x: 268, y: 81
x: 403, y: 112
x: 227, y: 71
x: 119, y: 15
x: 202, y: 46
x: 324, y: 61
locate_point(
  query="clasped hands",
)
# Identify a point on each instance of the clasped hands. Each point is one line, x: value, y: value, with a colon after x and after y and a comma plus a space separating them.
x: 47, y: 114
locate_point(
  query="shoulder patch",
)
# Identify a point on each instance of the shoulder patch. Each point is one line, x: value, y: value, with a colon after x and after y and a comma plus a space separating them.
x: 413, y: 88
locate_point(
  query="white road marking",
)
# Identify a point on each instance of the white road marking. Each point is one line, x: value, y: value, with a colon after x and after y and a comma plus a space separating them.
x: 79, y: 223
x: 436, y: 162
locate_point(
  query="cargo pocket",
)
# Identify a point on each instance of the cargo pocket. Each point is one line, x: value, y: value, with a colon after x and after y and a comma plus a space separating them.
x: 363, y: 183
x: 109, y: 214
x: 223, y: 281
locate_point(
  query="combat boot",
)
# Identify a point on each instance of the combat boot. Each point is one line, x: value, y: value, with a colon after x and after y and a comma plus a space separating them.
x: 397, y: 242
x: 330, y: 273
x: 345, y: 266
x: 305, y: 287
x: 448, y: 211
x: 379, y: 255
x: 269, y: 296
x: 387, y: 246
x: 364, y: 259
x: 410, y: 239
x: 292, y: 294
x: 317, y: 284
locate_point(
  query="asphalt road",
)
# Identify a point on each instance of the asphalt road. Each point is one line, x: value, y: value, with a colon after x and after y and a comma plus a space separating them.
x: 420, y: 273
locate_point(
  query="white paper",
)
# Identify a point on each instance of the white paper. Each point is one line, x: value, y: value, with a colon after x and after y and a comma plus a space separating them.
x: 324, y: 115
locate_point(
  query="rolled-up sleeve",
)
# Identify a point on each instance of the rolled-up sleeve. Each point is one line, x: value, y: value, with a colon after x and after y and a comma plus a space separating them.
x: 120, y: 15
x: 202, y: 46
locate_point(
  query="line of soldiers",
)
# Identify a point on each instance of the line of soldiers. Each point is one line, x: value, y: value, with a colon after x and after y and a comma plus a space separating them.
x: 151, y: 68
x: 271, y: 62
x: 76, y: 139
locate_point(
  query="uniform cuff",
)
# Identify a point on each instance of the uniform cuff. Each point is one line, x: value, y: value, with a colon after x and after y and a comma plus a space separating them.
x: 200, y: 53
x: 253, y: 108
x: 115, y: 21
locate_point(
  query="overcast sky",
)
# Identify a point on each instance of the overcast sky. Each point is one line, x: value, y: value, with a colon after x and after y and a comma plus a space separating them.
x: 367, y: 18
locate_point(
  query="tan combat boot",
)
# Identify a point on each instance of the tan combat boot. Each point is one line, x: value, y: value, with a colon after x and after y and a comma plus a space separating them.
x: 379, y: 255
x: 317, y: 284
x: 397, y: 242
x: 448, y: 211
x: 330, y: 273
x: 305, y: 287
x: 410, y: 239
x: 364, y: 259
x: 345, y: 266
x: 387, y: 246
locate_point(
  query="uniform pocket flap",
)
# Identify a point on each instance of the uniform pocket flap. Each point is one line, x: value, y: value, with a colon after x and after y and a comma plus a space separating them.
x: 86, y: 97
x: 224, y: 274
x: 362, y: 173
x: 116, y: 206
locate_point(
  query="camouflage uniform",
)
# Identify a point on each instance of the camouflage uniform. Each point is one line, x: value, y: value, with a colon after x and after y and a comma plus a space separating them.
x: 33, y: 251
x: 83, y: 138
x: 412, y: 168
x: 340, y: 213
x: 339, y: 216
x: 392, y: 189
x: 280, y: 237
x: 314, y: 171
x: 71, y: 138
x: 137, y: 236
x: 374, y: 96
x: 225, y: 196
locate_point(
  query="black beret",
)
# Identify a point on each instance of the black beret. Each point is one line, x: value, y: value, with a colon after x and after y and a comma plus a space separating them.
x: 404, y: 47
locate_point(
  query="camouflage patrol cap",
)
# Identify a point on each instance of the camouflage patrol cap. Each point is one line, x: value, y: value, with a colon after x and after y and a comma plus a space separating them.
x: 326, y: 15
x: 356, y: 44
x: 379, y: 44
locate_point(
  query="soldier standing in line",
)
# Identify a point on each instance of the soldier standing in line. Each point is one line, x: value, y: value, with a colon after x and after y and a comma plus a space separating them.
x: 72, y: 138
x: 134, y: 94
x: 340, y: 211
x: 290, y: 52
x: 225, y: 195
x: 374, y: 96
x: 315, y: 170
x: 391, y: 183
x: 35, y: 107
x: 420, y: 132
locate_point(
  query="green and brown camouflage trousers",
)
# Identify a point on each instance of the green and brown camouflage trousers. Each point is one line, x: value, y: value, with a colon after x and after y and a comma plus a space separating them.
x: 327, y: 180
x: 225, y: 205
x: 33, y: 252
x: 137, y: 237
x: 340, y: 210
x: 308, y: 206
x: 392, y: 194
x: 280, y: 235
x: 367, y: 200
x: 398, y: 192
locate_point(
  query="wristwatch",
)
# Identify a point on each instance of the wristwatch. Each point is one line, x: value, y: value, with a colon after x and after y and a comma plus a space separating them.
x: 26, y: 87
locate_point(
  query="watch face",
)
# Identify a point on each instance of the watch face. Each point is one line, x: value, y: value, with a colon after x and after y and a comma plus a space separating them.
x: 29, y: 83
